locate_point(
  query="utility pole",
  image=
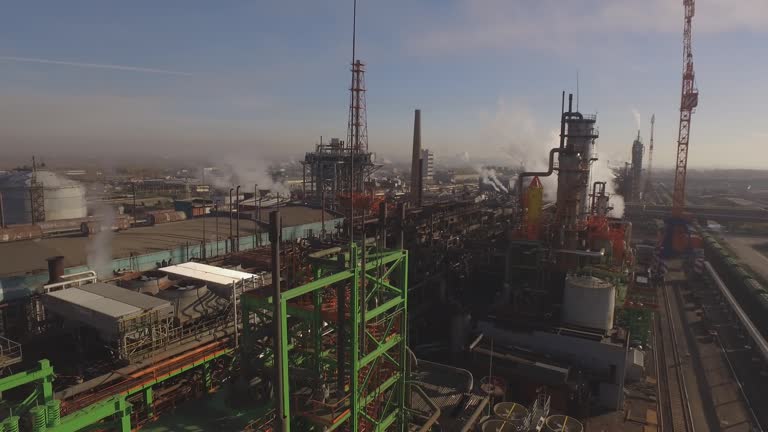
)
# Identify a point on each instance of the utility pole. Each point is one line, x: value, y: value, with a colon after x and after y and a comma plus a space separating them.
x: 237, y: 201
x: 231, y: 241
x: 275, y: 236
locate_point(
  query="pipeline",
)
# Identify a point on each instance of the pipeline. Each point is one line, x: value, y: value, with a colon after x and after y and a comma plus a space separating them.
x: 470, y: 424
x: 547, y: 173
x: 435, y: 409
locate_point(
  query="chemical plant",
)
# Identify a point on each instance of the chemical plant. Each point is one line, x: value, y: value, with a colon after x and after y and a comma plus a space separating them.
x: 335, y: 296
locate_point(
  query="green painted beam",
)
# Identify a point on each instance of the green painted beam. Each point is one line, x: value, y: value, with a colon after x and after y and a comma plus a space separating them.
x: 378, y: 352
x: 95, y: 413
x: 382, y: 388
x: 387, y: 422
x: 373, y: 313
x: 44, y: 371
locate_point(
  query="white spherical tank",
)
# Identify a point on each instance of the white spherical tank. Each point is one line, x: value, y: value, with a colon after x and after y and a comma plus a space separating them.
x: 62, y: 198
x: 589, y: 302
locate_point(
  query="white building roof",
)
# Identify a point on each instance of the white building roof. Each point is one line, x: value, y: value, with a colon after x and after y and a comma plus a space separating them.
x: 208, y: 273
x: 95, y: 302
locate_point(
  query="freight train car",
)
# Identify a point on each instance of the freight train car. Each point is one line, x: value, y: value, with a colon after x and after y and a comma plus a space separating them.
x: 750, y: 293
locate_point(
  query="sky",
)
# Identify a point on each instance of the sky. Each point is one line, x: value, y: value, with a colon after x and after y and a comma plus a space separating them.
x: 266, y: 79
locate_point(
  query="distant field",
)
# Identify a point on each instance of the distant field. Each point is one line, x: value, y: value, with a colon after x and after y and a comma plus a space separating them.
x: 751, y: 251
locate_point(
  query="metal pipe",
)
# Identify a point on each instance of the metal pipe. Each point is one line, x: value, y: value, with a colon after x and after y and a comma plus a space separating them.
x: 399, y: 238
x: 216, y: 212
x: 383, y: 225
x: 416, y: 156
x: 275, y: 235
x: 133, y: 192
x: 469, y: 425
x: 435, y: 409
x: 547, y: 173
x: 237, y: 200
x: 230, y: 218
x: 2, y: 212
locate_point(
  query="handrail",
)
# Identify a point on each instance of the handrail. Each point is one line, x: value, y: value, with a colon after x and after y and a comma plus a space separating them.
x: 435, y: 409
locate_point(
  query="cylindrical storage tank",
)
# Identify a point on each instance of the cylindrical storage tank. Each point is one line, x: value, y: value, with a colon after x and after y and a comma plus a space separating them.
x: 562, y: 423
x: 589, y: 302
x: 11, y: 424
x: 496, y: 425
x: 511, y: 412
x: 62, y: 198
x: 118, y: 223
x: 37, y: 416
x: 20, y: 232
x: 53, y: 410
x: 165, y: 216
x: 148, y: 283
x: 191, y: 300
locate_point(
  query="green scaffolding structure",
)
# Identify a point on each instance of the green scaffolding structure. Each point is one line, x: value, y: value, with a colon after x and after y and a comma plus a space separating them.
x: 342, y: 360
x: 45, y: 411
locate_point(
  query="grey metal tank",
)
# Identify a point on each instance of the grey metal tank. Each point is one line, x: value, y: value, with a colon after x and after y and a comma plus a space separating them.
x: 63, y: 198
x: 192, y: 300
x: 562, y: 423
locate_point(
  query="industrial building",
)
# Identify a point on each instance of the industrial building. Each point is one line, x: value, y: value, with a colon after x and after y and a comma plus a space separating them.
x: 357, y: 305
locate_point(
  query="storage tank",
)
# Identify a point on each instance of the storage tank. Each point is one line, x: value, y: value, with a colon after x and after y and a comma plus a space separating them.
x: 62, y: 198
x: 589, y: 302
x: 511, y: 412
x: 562, y: 423
x: 164, y: 216
x: 496, y: 425
x: 191, y: 300
x: 150, y: 282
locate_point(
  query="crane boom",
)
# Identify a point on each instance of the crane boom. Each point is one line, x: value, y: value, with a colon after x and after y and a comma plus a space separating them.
x: 689, y: 99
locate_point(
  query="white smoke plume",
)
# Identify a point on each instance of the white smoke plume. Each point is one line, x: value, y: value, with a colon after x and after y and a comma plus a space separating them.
x: 523, y: 143
x: 601, y: 171
x: 99, y: 247
x: 636, y: 113
x: 247, y: 173
x: 488, y: 176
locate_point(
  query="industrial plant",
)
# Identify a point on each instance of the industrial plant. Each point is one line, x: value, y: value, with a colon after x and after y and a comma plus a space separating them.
x: 337, y: 293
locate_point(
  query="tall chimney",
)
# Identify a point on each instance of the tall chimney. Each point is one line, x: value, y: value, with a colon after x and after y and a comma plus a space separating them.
x: 415, y: 164
x: 55, y: 268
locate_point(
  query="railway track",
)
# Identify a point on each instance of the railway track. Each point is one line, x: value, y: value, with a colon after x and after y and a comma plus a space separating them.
x: 673, y: 393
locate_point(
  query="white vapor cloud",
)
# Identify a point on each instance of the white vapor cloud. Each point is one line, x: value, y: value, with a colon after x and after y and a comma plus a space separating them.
x: 548, y: 24
x: 93, y: 65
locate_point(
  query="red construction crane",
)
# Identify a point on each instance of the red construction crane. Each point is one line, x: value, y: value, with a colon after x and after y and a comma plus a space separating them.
x: 689, y: 99
x: 676, y: 235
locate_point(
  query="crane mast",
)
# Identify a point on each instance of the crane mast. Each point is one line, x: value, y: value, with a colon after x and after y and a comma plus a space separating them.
x: 689, y: 99
x: 649, y: 171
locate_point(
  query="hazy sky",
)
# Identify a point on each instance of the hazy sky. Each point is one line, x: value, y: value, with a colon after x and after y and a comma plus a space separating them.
x: 265, y: 79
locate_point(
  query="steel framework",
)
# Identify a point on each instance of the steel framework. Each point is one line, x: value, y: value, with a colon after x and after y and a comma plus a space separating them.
x: 342, y: 346
x: 689, y: 99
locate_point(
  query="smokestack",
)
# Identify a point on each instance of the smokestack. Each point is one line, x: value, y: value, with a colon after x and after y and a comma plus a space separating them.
x: 55, y: 269
x: 415, y: 161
